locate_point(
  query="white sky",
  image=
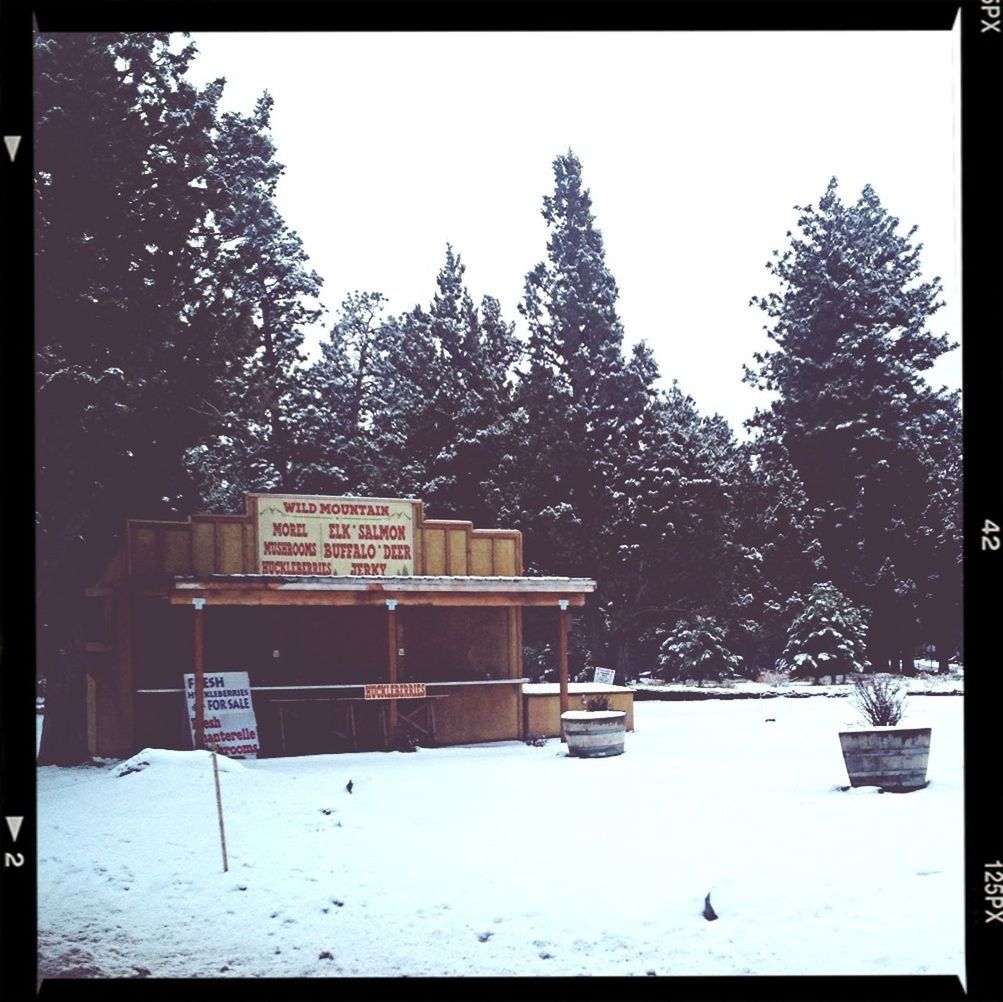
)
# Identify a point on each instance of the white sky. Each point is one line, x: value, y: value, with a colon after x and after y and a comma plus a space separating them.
x: 695, y: 147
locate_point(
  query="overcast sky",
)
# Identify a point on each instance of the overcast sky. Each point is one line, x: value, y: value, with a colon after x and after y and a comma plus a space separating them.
x: 695, y: 146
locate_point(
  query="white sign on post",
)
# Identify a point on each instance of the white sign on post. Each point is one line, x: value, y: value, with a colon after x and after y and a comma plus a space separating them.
x: 230, y: 725
x: 604, y: 676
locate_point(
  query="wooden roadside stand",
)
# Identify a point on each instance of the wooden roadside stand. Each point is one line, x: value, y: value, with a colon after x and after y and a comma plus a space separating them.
x: 360, y: 622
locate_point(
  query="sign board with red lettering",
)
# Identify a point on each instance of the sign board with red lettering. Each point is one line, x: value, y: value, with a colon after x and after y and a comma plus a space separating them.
x: 396, y: 690
x: 230, y: 724
x: 309, y: 535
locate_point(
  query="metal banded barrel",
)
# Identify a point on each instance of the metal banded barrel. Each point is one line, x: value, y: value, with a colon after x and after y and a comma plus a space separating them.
x: 894, y: 758
x: 594, y: 733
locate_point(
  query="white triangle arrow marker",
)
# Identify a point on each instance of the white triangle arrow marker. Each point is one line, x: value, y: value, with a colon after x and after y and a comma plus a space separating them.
x: 14, y: 824
x: 12, y: 143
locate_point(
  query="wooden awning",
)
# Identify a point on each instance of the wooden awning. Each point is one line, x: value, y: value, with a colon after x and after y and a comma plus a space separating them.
x: 262, y: 590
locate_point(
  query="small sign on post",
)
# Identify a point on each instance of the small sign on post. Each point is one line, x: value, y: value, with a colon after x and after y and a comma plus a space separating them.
x: 395, y: 690
x: 604, y: 676
x: 231, y: 727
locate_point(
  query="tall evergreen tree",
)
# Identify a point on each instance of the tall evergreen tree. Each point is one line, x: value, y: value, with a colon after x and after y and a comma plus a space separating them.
x: 936, y: 537
x: 779, y: 527
x: 126, y: 361
x: 339, y: 447
x: 850, y: 324
x: 682, y: 552
x: 446, y: 409
x: 581, y: 397
x: 264, y: 289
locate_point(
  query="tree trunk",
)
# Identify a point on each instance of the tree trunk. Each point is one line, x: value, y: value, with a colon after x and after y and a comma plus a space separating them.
x: 64, y: 730
x: 622, y: 647
x: 943, y: 664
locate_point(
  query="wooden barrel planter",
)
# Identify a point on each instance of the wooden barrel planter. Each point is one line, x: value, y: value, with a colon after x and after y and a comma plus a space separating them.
x: 894, y: 758
x: 594, y: 733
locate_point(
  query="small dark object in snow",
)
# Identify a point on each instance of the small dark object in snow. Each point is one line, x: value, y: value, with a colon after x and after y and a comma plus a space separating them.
x: 241, y: 887
x: 770, y: 720
x: 546, y: 956
x: 135, y: 767
x: 349, y: 785
x: 337, y: 903
x: 326, y: 955
x: 650, y: 974
x: 484, y: 937
x: 708, y: 910
x: 225, y: 967
x: 141, y: 972
x: 327, y: 810
x: 538, y: 742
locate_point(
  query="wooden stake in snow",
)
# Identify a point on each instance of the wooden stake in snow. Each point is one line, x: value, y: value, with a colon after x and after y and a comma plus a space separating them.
x: 219, y: 810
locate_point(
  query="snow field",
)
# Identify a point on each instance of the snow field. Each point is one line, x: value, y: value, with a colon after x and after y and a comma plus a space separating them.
x: 506, y: 859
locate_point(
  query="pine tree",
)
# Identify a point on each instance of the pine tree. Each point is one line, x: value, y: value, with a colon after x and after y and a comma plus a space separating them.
x: 829, y: 636
x: 581, y: 400
x: 682, y: 550
x: 126, y: 362
x: 696, y: 648
x: 267, y: 293
x: 936, y: 537
x: 488, y: 418
x: 779, y: 527
x: 850, y: 325
x: 445, y: 416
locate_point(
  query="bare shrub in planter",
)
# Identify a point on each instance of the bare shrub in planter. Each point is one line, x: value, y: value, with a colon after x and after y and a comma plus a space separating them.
x: 892, y: 757
x: 880, y: 699
x: 597, y: 731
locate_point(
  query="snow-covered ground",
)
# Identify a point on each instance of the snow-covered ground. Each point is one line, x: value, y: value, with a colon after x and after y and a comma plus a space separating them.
x: 508, y: 859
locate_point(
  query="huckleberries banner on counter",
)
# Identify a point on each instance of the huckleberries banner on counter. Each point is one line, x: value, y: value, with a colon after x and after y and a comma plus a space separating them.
x: 331, y: 535
x: 231, y: 727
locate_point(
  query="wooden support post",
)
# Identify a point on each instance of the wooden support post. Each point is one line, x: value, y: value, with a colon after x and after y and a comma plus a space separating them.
x: 563, y: 620
x: 392, y: 668
x: 198, y: 604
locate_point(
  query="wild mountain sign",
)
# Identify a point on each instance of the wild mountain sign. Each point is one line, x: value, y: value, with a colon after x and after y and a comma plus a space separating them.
x: 311, y: 535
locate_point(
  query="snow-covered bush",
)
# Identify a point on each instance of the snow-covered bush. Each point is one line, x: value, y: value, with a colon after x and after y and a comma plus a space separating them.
x: 696, y: 648
x: 828, y: 638
x: 880, y: 699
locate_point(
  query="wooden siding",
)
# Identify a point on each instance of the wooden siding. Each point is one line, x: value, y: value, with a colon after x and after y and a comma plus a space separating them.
x: 224, y: 544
